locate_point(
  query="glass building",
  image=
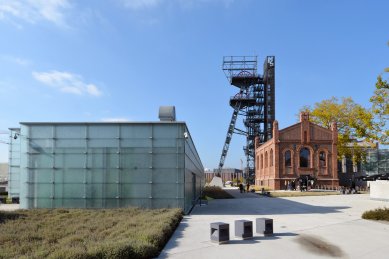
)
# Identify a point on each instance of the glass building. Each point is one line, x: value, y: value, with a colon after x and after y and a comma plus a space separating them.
x: 377, y: 162
x: 14, y: 163
x: 106, y: 165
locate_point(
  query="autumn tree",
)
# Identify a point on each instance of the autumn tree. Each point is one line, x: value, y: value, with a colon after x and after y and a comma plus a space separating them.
x: 380, y: 110
x: 355, y: 124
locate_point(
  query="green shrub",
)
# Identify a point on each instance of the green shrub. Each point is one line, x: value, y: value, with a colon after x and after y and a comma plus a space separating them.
x: 215, y: 193
x: 76, y: 233
x: 377, y: 214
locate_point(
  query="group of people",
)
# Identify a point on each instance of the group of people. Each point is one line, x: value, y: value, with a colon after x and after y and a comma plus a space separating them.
x: 242, y: 189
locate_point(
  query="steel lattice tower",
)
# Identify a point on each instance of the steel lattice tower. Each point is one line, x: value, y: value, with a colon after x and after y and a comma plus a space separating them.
x: 255, y: 101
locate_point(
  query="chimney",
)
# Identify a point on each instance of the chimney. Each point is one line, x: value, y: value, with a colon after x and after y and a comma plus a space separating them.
x: 304, y: 116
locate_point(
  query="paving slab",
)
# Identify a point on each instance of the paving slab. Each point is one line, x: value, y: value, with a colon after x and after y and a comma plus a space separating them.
x: 304, y: 227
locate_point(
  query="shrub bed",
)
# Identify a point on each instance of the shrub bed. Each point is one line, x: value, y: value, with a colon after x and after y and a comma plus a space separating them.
x: 377, y: 214
x: 86, y: 233
x: 213, y: 192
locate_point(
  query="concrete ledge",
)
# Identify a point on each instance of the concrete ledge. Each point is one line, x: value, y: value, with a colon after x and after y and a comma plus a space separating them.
x: 379, y: 189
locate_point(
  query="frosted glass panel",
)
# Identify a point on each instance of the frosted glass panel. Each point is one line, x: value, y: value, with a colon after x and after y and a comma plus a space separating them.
x: 167, y: 176
x: 136, y: 161
x: 74, y: 190
x: 43, y: 190
x: 165, y: 190
x: 70, y: 143
x: 41, y: 161
x: 41, y: 143
x: 136, y: 190
x: 103, y: 131
x: 64, y: 132
x: 143, y: 142
x: 165, y: 131
x: 136, y: 131
x: 41, y: 132
x: 70, y: 161
x: 71, y: 175
x: 136, y: 176
x: 44, y: 176
x: 112, y: 190
x: 103, y: 143
x: 165, y: 143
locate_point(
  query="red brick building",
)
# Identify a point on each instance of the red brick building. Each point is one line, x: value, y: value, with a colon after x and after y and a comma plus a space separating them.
x: 301, y: 149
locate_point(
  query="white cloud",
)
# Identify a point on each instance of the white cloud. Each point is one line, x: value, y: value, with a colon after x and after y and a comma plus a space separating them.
x: 140, y: 4
x: 32, y: 11
x: 148, y: 4
x: 67, y: 82
x: 19, y: 61
x: 115, y: 120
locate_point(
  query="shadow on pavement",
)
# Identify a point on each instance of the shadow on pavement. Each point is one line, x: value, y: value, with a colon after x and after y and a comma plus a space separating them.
x: 262, y: 206
x: 257, y: 239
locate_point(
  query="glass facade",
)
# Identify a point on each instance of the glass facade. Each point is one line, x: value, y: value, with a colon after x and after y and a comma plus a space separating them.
x: 14, y: 163
x: 109, y: 165
x: 377, y: 162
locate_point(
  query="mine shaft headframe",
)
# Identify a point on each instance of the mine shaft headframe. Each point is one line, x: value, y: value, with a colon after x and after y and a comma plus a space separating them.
x: 255, y: 101
x: 241, y: 71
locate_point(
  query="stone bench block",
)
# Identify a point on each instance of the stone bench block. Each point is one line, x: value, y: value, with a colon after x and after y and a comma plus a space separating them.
x: 220, y: 232
x: 264, y: 226
x: 244, y: 229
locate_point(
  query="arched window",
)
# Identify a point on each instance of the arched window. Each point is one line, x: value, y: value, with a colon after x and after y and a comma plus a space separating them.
x: 304, y: 157
x: 266, y: 159
x: 271, y: 157
x: 261, y: 160
x: 257, y: 162
x: 322, y: 159
x: 287, y: 159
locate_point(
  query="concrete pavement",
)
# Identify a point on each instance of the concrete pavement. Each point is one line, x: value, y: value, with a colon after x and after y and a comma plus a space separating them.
x: 304, y: 227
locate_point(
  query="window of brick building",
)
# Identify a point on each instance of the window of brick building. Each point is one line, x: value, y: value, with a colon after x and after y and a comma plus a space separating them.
x: 261, y: 160
x: 266, y: 159
x: 271, y: 157
x: 322, y: 159
x: 304, y: 157
x: 288, y: 160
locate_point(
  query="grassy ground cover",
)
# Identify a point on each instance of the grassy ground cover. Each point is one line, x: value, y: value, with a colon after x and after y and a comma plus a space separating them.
x: 298, y: 194
x: 76, y: 233
x: 213, y: 192
x: 377, y: 214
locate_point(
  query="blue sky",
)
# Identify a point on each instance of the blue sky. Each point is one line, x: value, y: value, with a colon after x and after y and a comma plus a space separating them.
x: 64, y: 60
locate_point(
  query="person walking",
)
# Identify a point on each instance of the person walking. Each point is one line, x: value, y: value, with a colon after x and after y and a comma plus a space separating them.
x: 247, y: 187
x: 241, y: 187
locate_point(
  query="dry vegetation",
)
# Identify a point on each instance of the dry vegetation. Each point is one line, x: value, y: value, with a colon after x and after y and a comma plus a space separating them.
x: 213, y: 192
x: 377, y: 214
x: 76, y: 233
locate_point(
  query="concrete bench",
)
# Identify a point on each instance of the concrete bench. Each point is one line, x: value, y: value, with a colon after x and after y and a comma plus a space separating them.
x: 244, y: 229
x: 220, y: 232
x: 264, y: 226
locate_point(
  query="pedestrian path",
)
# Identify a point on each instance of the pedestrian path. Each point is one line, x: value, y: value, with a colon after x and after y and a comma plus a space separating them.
x: 304, y: 227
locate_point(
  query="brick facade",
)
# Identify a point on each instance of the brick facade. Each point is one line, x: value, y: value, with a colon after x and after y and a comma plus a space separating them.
x: 301, y: 149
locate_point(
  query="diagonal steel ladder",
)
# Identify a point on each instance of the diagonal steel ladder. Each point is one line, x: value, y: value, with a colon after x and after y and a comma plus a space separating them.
x: 230, y: 131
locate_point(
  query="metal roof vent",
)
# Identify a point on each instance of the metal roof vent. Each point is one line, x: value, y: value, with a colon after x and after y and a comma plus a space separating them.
x: 167, y: 113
